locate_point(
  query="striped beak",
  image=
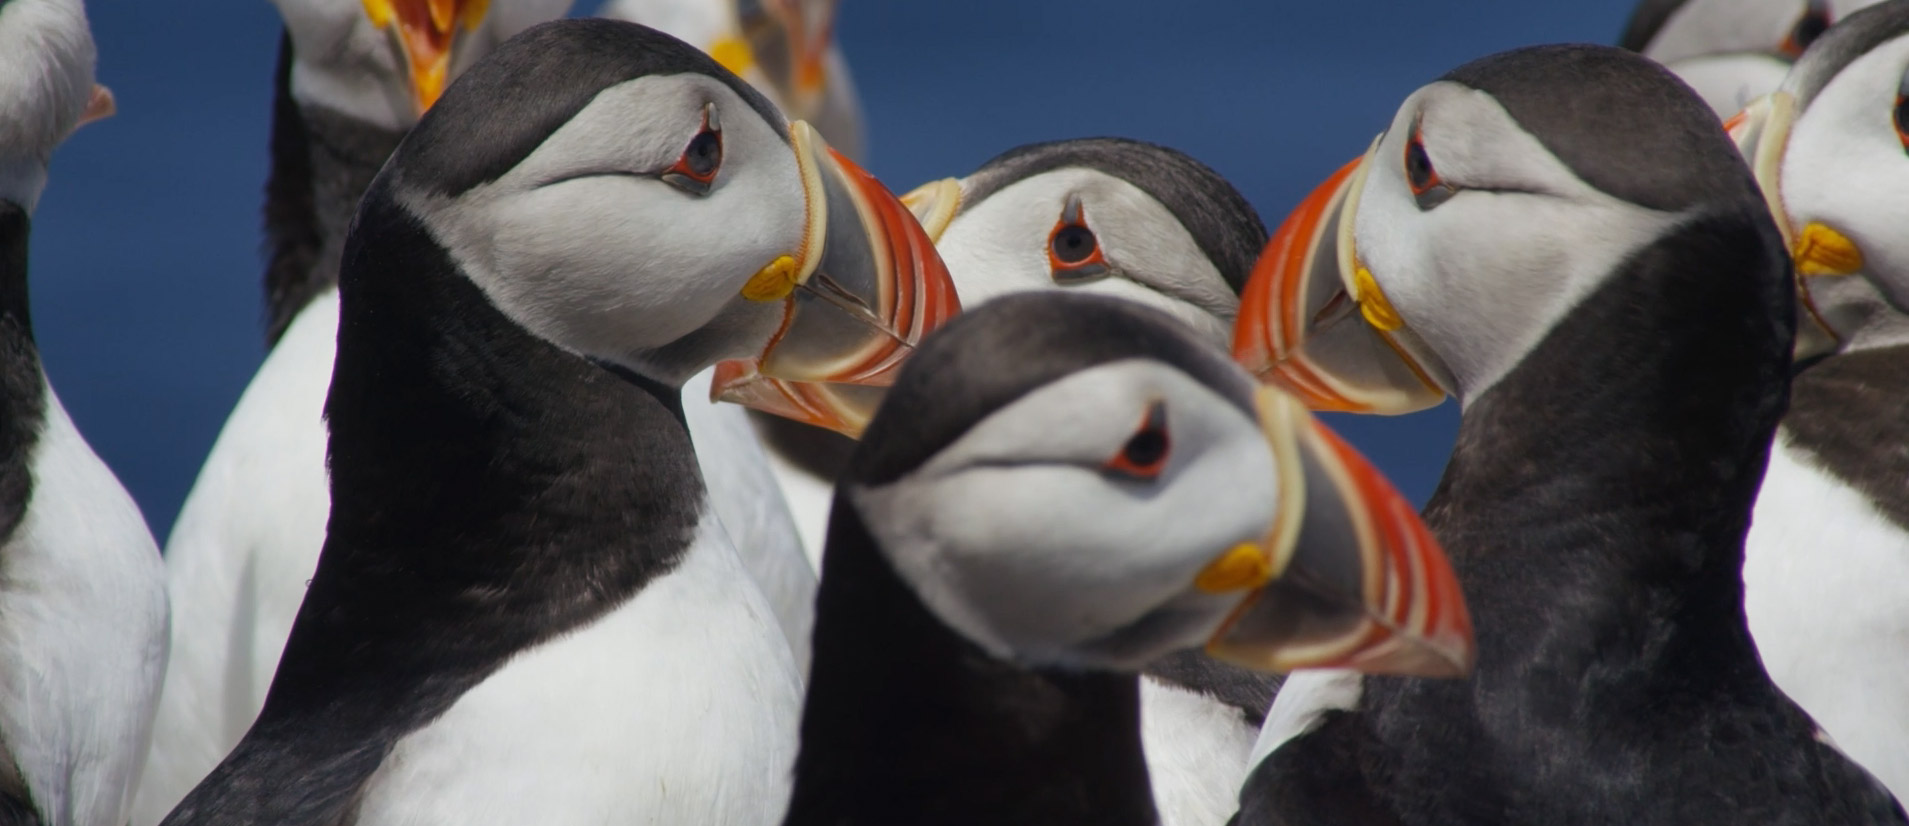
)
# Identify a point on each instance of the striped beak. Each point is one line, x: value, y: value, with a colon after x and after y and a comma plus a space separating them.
x: 1346, y: 577
x: 425, y: 31
x: 865, y: 288
x: 1313, y: 321
x: 1762, y: 134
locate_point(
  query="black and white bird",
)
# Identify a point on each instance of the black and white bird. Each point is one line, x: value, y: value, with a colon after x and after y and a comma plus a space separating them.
x: 526, y: 610
x: 351, y: 78
x: 1564, y: 239
x: 786, y: 48
x: 1111, y: 217
x: 1731, y: 51
x: 1059, y: 489
x: 1828, y: 553
x: 82, y: 591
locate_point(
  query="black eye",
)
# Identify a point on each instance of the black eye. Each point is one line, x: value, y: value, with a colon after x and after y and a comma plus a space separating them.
x: 1428, y: 188
x: 1145, y: 453
x: 1811, y: 25
x: 1073, y: 251
x: 1074, y: 244
x: 695, y: 170
x: 1902, y: 119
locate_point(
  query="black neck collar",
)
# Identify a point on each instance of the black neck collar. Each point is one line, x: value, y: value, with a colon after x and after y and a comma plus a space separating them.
x: 909, y: 724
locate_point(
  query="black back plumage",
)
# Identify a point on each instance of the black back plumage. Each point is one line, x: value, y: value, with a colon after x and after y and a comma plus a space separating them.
x: 22, y: 414
x: 1851, y: 413
x: 908, y: 722
x: 1595, y: 509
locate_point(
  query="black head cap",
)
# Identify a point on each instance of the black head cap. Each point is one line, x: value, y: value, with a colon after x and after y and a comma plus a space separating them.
x: 1851, y: 38
x: 994, y: 354
x: 1624, y: 124
x: 504, y: 107
x: 1226, y: 228
x: 1646, y: 21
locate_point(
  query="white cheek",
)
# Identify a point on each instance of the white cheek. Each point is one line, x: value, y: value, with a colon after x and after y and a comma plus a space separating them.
x: 1703, y: 27
x: 989, y: 256
x: 1846, y: 167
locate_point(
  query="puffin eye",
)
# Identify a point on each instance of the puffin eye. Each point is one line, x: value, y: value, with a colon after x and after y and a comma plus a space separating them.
x: 1428, y: 188
x: 1811, y: 25
x: 1902, y: 119
x: 1073, y: 251
x: 696, y: 169
x: 1145, y: 453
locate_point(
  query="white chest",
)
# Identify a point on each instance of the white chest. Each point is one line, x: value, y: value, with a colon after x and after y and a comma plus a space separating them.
x: 679, y: 707
x: 1826, y: 588
x: 1196, y: 753
x: 82, y: 634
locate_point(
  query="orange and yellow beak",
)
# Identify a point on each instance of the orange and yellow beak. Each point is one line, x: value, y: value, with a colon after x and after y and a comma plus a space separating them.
x: 1346, y: 577
x: 425, y: 31
x: 788, y: 41
x: 99, y: 106
x: 1762, y: 134
x: 863, y: 291
x: 1314, y: 322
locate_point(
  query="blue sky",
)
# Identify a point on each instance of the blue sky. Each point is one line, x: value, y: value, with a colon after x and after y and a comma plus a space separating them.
x: 146, y: 261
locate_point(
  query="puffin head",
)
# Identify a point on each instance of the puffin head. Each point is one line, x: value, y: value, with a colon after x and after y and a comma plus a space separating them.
x: 786, y: 48
x: 386, y: 61
x: 1108, y: 216
x: 1731, y: 51
x: 1500, y: 196
x: 1078, y: 481
x: 46, y: 90
x: 616, y: 192
x: 1831, y: 151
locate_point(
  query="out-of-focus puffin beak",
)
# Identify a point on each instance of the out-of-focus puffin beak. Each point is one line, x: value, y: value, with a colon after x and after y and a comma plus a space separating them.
x: 788, y: 42
x: 1762, y: 133
x: 865, y: 288
x: 1346, y: 577
x: 425, y: 30
x: 99, y: 105
x: 1312, y: 320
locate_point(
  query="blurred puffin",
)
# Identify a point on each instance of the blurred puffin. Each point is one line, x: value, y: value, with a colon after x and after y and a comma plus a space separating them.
x: 786, y: 48
x: 352, y: 77
x: 1828, y: 553
x: 250, y: 532
x: 1563, y: 238
x: 1059, y: 489
x: 1731, y: 51
x: 525, y: 610
x: 1111, y: 217
x: 82, y: 593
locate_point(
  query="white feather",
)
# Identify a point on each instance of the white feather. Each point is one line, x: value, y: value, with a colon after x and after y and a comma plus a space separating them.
x: 1196, y: 753
x: 679, y: 707
x: 1823, y: 575
x: 83, y: 644
x: 1302, y: 704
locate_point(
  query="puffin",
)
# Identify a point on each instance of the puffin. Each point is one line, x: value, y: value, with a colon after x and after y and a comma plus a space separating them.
x: 351, y: 78
x: 1114, y: 217
x: 1829, y: 544
x: 249, y: 534
x: 525, y: 609
x: 1060, y: 488
x: 1731, y: 51
x: 83, y: 606
x: 786, y: 48
x: 1565, y: 239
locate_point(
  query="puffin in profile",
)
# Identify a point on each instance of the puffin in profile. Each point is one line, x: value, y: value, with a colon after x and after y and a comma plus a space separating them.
x: 785, y: 48
x: 352, y: 77
x: 526, y: 610
x: 1059, y: 489
x: 1829, y: 546
x: 1730, y: 51
x: 1564, y: 239
x: 1114, y: 217
x: 82, y: 590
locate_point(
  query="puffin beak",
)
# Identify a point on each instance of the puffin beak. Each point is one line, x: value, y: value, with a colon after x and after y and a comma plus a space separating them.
x: 1313, y: 321
x: 1346, y: 577
x: 425, y: 30
x: 789, y: 41
x: 1762, y: 134
x: 857, y: 298
x: 99, y: 106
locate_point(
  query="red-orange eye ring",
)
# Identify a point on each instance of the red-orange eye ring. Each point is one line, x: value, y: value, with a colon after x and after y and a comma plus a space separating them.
x: 1145, y: 454
x: 1073, y: 250
x: 1429, y: 188
x: 1902, y: 117
x: 695, y: 170
x: 1809, y: 27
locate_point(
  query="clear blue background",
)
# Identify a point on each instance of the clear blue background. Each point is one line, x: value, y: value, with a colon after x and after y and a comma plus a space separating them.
x: 146, y: 260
